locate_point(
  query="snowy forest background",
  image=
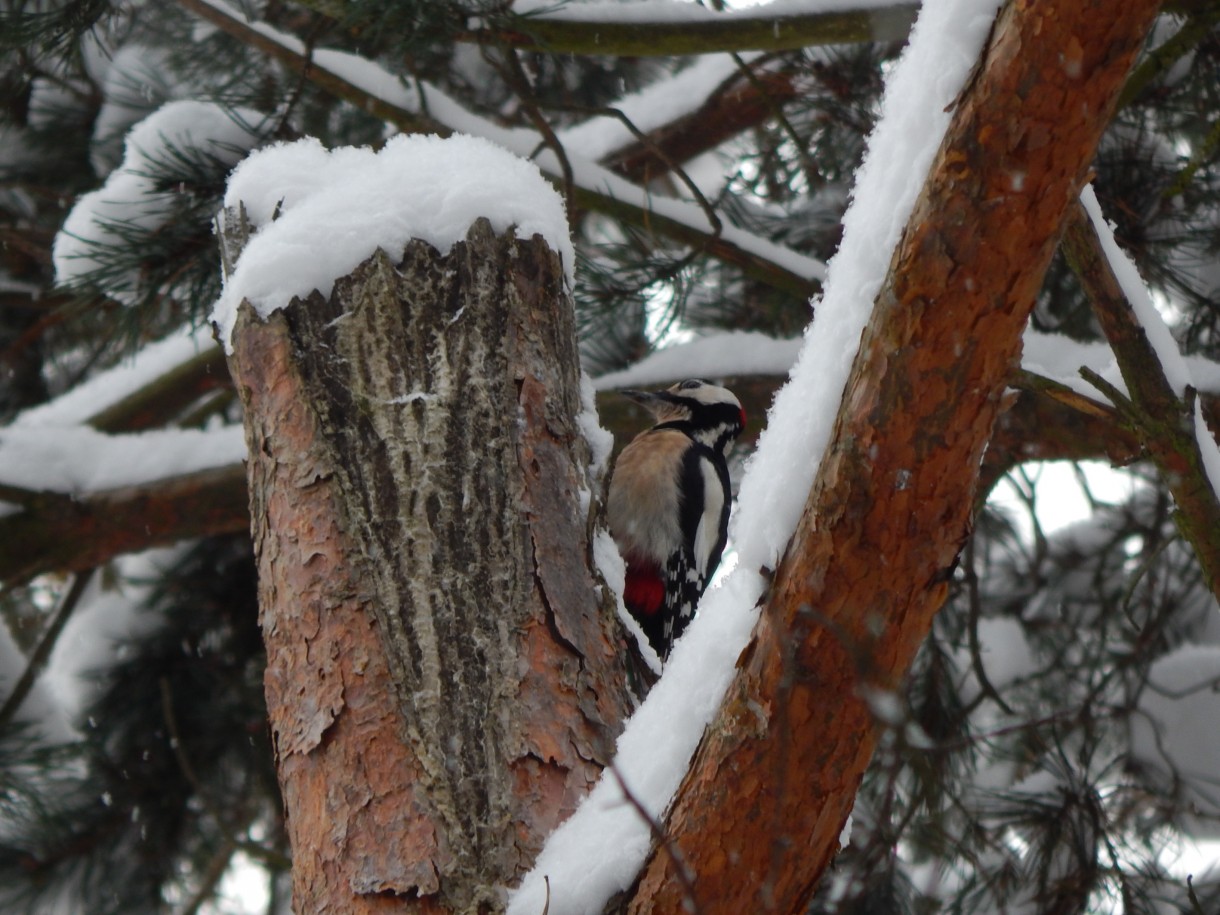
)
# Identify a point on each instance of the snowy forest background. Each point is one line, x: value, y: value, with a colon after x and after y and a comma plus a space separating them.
x: 1058, y: 745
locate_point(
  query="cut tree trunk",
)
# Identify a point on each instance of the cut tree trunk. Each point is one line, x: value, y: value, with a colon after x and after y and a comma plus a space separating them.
x: 758, y: 817
x: 445, y: 676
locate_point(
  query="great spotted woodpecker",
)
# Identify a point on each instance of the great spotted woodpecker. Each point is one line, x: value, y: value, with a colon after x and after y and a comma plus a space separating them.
x: 668, y: 505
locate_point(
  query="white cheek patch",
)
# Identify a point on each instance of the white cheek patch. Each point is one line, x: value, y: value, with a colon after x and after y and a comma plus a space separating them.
x: 708, y: 531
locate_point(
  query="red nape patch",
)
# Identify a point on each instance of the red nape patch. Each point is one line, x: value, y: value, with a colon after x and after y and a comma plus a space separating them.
x: 644, y: 591
x: 743, y: 417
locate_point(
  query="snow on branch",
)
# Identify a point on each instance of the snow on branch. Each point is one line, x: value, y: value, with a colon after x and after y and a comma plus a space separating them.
x: 719, y: 355
x: 133, y: 379
x: 1177, y: 373
x: 600, y: 849
x: 1139, y: 298
x: 666, y: 27
x: 1161, y: 403
x: 659, y: 12
x: 133, y: 203
x: 317, y: 213
x: 643, y: 28
x: 79, y: 460
x: 425, y: 107
x: 653, y: 107
x: 1055, y: 357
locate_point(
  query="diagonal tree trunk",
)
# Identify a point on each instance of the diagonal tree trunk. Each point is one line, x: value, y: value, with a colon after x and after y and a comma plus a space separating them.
x: 444, y: 674
x: 758, y: 817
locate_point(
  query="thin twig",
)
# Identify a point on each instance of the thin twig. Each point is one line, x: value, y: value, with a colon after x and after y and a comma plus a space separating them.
x: 1162, y: 417
x: 215, y: 872
x: 42, y: 651
x: 986, y: 687
x: 662, y: 839
x: 1195, y: 905
x: 253, y: 849
x: 801, y: 146
x: 514, y: 74
x: 184, y: 763
x: 655, y: 148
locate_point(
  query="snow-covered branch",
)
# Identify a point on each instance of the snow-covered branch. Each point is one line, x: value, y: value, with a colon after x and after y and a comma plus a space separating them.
x: 75, y: 496
x: 873, y: 554
x: 665, y: 27
x: 646, y: 28
x: 426, y: 108
x: 154, y: 387
x: 1160, y: 403
x: 78, y: 531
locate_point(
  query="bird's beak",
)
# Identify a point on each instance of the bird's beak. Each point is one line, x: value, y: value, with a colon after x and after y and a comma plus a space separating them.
x: 655, y: 402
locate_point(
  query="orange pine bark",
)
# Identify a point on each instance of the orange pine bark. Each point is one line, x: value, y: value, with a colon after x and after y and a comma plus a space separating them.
x: 444, y: 669
x: 758, y: 817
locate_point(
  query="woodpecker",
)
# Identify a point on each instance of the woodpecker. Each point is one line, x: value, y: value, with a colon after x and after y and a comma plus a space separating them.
x: 668, y: 505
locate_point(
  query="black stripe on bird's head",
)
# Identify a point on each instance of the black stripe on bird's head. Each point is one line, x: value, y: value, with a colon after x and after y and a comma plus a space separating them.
x: 709, y: 413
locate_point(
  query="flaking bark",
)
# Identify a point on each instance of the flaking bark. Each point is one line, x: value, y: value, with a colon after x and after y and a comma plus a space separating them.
x: 444, y: 676
x: 758, y: 817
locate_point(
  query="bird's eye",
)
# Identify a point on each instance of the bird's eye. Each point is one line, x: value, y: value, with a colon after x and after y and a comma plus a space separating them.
x: 690, y: 383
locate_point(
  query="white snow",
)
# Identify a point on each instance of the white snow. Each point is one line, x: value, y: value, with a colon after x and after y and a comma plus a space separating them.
x: 367, y: 76
x: 134, y: 82
x: 654, y: 106
x: 845, y: 833
x: 601, y: 442
x: 110, y: 613
x: 52, y: 448
x: 1061, y: 358
x: 945, y: 41
x: 130, y: 198
x: 78, y: 459
x: 1161, y: 340
x: 1176, y: 732
x: 600, y: 849
x: 671, y: 11
x: 319, y: 213
x: 81, y: 403
x: 1173, y: 364
x: 732, y: 353
x: 1209, y: 452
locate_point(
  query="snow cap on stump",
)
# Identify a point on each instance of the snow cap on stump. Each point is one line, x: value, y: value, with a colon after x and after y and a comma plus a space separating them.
x: 317, y: 213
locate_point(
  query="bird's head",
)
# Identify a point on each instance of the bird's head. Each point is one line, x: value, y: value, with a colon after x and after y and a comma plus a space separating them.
x: 712, y: 415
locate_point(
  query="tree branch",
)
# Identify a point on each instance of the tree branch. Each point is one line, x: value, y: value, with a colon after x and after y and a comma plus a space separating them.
x: 562, y: 33
x: 596, y: 189
x: 1040, y: 426
x: 166, y: 396
x: 1152, y: 409
x: 897, y: 484
x: 42, y: 651
x: 61, y: 532
x: 753, y: 31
